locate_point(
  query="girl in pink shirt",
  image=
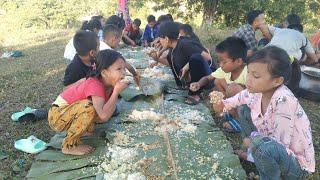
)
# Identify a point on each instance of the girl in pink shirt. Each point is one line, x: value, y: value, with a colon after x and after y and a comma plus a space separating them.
x: 79, y: 106
x: 286, y: 149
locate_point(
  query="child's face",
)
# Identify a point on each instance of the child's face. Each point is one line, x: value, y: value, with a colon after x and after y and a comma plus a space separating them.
x: 227, y: 64
x: 114, y: 73
x: 182, y: 33
x: 151, y: 24
x: 115, y: 42
x: 135, y: 27
x: 259, y: 79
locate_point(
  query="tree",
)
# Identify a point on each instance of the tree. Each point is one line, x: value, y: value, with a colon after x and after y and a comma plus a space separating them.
x: 233, y: 12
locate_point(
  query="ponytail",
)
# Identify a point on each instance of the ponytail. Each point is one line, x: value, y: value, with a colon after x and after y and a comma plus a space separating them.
x: 293, y: 83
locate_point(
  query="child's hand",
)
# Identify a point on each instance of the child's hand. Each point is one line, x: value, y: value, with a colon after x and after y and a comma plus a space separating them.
x: 216, y: 97
x: 218, y: 108
x: 153, y: 54
x: 121, y: 85
x: 195, y: 86
x: 137, y: 79
x: 246, y: 143
x: 184, y: 71
x: 216, y: 100
x: 153, y: 64
x: 133, y: 43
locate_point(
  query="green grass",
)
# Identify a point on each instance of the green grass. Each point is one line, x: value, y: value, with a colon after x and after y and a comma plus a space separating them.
x: 35, y: 80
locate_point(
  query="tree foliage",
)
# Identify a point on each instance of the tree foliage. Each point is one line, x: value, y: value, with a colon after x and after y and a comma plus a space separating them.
x: 54, y: 13
x: 233, y: 12
x: 66, y: 13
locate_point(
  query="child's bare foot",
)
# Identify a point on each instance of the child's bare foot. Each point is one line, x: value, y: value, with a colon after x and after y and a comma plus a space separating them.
x: 78, y: 150
x: 87, y: 134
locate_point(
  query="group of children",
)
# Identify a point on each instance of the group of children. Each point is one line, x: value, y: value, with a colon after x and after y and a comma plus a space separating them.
x: 257, y: 102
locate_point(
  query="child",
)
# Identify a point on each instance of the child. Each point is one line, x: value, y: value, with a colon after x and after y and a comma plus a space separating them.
x: 116, y: 21
x: 286, y: 150
x: 94, y: 100
x: 184, y: 56
x: 93, y: 26
x: 86, y: 44
x: 112, y: 37
x: 230, y: 78
x: 132, y: 34
x: 102, y: 21
x: 186, y: 30
x: 150, y: 32
x: 231, y: 56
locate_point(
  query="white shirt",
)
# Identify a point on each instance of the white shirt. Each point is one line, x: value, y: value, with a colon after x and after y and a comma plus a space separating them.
x: 104, y: 46
x: 70, y: 51
x: 291, y: 41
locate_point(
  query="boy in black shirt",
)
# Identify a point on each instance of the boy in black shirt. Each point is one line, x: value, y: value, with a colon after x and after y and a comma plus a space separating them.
x: 86, y: 44
x: 186, y: 57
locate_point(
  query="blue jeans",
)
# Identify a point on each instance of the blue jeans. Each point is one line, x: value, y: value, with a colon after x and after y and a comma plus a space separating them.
x: 245, y: 121
x: 273, y: 161
x: 199, y: 68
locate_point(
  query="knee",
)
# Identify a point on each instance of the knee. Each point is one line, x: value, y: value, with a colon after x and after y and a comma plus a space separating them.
x: 233, y: 89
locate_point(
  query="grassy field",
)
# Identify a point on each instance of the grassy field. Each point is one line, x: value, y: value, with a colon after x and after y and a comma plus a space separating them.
x: 36, y: 79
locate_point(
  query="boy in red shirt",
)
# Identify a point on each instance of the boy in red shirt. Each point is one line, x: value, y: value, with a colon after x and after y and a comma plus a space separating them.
x: 132, y: 33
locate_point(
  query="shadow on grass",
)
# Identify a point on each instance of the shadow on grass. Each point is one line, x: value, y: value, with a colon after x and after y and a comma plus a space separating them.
x: 33, y: 80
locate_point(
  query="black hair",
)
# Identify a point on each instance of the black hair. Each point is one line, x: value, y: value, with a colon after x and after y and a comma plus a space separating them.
x: 98, y: 17
x: 235, y: 47
x: 91, y: 25
x: 293, y: 19
x: 151, y: 18
x: 84, y: 25
x: 111, y: 30
x: 277, y: 59
x: 117, y: 21
x: 170, y: 17
x: 252, y: 15
x: 187, y: 28
x: 85, y: 41
x: 169, y: 29
x: 297, y: 27
x: 137, y: 22
x: 163, y: 18
x: 105, y: 59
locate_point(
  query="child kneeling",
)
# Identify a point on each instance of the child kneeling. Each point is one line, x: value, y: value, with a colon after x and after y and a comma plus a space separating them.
x: 79, y: 106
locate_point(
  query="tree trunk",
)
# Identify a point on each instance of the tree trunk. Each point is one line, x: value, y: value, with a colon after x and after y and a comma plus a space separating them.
x: 209, y: 11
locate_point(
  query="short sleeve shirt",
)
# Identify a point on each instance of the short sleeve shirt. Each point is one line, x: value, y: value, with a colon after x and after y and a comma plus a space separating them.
x: 291, y: 41
x: 69, y: 51
x: 75, y: 71
x: 132, y: 34
x: 181, y: 55
x: 86, y: 89
x: 220, y: 74
x: 247, y: 34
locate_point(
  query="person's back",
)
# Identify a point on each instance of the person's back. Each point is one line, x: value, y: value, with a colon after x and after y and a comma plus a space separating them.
x: 290, y: 40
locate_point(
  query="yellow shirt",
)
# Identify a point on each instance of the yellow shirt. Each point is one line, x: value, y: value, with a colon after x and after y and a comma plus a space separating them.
x: 220, y: 74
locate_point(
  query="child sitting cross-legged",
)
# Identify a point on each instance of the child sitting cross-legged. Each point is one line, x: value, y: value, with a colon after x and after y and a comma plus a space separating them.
x: 230, y: 78
x: 80, y: 106
x: 284, y: 148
